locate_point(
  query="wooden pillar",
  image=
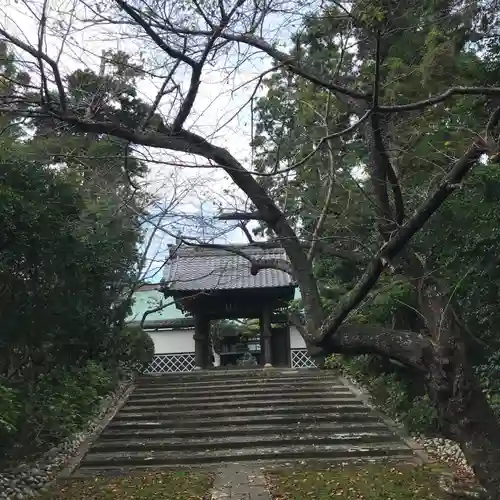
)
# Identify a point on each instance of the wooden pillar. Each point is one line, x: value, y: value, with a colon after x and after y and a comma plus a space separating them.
x: 265, y: 331
x: 208, y: 348
x: 201, y: 341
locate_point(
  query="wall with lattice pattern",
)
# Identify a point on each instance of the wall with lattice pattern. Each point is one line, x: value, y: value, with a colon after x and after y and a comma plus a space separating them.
x: 185, y: 362
x: 171, y: 363
x: 301, y: 359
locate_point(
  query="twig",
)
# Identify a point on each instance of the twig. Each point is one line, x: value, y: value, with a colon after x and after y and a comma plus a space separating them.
x: 44, y: 89
x: 176, y: 54
x: 37, y: 54
x: 440, y: 98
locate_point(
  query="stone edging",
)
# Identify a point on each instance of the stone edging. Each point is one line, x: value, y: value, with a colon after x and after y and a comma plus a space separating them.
x: 398, y: 430
x: 28, y: 480
x: 100, y: 423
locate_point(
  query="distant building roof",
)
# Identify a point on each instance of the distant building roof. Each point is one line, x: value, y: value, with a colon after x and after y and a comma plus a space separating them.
x: 202, y: 269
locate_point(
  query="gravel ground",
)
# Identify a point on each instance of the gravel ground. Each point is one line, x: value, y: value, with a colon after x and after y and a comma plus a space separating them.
x: 446, y: 451
x: 461, y: 483
x: 27, y: 480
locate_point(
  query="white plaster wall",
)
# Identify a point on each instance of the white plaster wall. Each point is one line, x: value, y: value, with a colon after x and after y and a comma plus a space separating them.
x: 296, y: 340
x: 172, y: 341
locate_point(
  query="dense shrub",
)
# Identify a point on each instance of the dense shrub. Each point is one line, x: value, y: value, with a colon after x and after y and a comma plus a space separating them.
x: 62, y: 400
x: 9, y: 412
x: 39, y: 413
x: 136, y: 349
x: 393, y: 389
x: 489, y: 375
x: 67, y: 261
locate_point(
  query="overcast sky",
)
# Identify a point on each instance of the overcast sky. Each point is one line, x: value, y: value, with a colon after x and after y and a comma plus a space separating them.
x: 220, y: 106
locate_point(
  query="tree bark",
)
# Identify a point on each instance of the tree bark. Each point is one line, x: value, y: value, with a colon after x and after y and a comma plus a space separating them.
x: 467, y: 417
x: 409, y: 348
x: 463, y: 409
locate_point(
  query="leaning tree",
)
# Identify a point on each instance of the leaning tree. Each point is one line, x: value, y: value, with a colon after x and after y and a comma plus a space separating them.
x: 183, y: 41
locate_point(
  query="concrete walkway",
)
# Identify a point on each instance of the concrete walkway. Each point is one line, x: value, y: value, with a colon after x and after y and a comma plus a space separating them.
x: 240, y: 482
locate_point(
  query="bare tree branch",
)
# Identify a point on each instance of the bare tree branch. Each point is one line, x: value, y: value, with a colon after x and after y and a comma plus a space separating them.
x: 240, y: 216
x: 256, y: 264
x: 174, y: 53
x: 492, y: 123
x: 381, y: 165
x: 41, y: 55
x: 288, y: 61
x: 293, y: 66
x: 382, y: 170
x: 451, y: 92
x: 401, y: 237
x: 154, y: 310
x: 44, y: 88
x: 203, y: 14
x: 329, y: 193
x: 246, y: 232
x: 324, y: 140
x: 397, y: 193
x: 322, y: 247
x: 409, y: 348
x: 277, y: 264
x: 159, y: 95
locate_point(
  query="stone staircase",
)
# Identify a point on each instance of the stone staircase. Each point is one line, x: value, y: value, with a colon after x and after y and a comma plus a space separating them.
x: 210, y: 418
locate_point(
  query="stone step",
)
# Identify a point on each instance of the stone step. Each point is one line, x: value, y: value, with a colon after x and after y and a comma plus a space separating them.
x: 208, y: 418
x: 264, y: 463
x: 211, y: 387
x: 197, y: 376
x: 178, y: 406
x: 257, y: 410
x: 229, y: 442
x: 253, y: 373
x: 237, y: 381
x: 175, y: 457
x: 229, y: 395
x: 241, y: 430
x: 225, y: 420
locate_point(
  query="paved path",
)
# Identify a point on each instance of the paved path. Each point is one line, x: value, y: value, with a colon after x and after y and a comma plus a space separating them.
x: 240, y: 482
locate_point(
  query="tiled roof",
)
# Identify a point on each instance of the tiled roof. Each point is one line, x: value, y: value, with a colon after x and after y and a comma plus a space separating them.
x: 201, y: 269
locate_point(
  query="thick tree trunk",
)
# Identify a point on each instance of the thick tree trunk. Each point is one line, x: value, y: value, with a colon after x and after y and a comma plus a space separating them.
x: 468, y: 418
x: 463, y: 409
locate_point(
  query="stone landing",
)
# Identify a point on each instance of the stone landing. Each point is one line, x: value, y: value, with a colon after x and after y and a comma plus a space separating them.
x: 237, y: 482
